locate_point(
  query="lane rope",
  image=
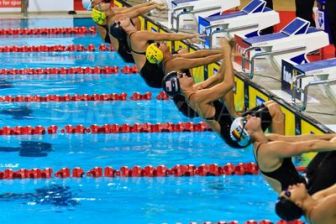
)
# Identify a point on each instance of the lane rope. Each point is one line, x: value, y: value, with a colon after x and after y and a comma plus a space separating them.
x: 136, y: 96
x: 106, y: 128
x: 135, y: 171
x: 71, y: 70
x: 265, y: 221
x: 48, y: 31
x: 249, y: 168
x: 56, y: 48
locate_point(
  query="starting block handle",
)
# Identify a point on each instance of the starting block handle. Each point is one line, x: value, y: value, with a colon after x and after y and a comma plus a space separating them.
x: 323, y: 80
x: 185, y: 10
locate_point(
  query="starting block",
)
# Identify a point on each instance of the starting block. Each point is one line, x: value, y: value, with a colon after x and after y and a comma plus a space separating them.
x: 296, y: 78
x: 180, y: 11
x: 254, y: 17
x: 293, y: 42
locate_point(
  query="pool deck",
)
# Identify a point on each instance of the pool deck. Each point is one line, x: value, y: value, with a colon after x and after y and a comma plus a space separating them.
x: 321, y: 104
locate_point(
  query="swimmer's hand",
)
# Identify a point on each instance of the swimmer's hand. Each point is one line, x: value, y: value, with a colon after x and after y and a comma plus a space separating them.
x: 195, y: 39
x: 160, y: 6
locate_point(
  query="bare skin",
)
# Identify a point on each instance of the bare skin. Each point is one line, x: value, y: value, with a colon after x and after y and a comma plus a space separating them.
x: 113, y: 13
x: 319, y: 208
x: 139, y: 40
x: 274, y: 148
x: 201, y: 95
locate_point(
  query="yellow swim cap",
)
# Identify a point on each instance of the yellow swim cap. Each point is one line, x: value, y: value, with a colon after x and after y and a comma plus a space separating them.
x: 153, y: 54
x: 98, y: 17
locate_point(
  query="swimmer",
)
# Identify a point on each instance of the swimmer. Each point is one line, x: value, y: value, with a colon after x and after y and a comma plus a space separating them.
x: 319, y: 208
x: 214, y: 101
x: 273, y: 152
x: 103, y: 15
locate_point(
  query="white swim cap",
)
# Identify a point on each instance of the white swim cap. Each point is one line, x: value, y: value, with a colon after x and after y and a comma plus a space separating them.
x: 238, y: 132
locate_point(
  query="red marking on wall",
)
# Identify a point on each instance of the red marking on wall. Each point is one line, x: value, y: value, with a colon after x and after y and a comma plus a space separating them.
x: 10, y: 3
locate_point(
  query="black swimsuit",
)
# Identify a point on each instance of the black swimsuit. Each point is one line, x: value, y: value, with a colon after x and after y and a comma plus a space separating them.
x: 286, y: 174
x: 320, y: 172
x: 123, y: 50
x: 223, y: 117
x: 263, y: 113
x: 152, y: 73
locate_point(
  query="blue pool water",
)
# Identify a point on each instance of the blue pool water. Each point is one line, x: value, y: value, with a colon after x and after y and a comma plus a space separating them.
x: 107, y: 200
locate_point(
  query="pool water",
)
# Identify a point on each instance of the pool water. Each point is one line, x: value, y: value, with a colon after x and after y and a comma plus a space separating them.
x: 111, y: 200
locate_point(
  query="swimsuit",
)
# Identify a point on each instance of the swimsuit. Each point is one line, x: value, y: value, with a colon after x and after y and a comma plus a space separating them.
x: 223, y: 117
x: 286, y: 174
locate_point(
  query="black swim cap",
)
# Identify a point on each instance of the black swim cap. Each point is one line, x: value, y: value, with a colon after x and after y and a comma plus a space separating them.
x: 117, y: 31
x: 287, y: 210
x: 171, y: 84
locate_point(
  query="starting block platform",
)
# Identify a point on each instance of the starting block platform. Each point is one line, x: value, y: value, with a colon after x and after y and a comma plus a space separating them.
x: 180, y: 11
x: 297, y: 78
x: 254, y: 17
x: 293, y: 42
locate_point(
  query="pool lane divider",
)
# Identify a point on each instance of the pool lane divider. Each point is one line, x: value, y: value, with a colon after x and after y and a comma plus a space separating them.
x: 49, y: 31
x: 136, y: 96
x: 56, y: 48
x: 249, y: 168
x: 265, y: 221
x: 135, y: 171
x: 71, y: 70
x: 106, y: 128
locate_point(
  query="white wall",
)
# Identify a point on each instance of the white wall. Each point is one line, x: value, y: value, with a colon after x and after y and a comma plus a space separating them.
x: 37, y: 5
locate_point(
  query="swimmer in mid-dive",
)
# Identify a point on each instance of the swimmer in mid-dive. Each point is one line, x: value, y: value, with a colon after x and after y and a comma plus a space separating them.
x: 319, y: 208
x: 104, y: 15
x: 150, y: 59
x: 273, y: 152
x: 214, y: 100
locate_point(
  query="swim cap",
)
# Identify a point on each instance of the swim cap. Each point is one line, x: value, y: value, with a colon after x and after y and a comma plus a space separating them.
x: 287, y: 210
x: 87, y: 4
x: 153, y: 54
x: 171, y: 84
x: 117, y: 31
x: 238, y: 132
x: 98, y: 17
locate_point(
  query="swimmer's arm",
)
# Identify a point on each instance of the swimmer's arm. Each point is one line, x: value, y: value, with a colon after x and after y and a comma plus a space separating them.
x: 140, y: 11
x: 128, y: 9
x: 147, y: 35
x: 179, y: 63
x: 200, y: 53
x: 209, y: 82
x: 225, y: 75
x: 285, y: 149
x: 294, y: 138
x: 326, y: 192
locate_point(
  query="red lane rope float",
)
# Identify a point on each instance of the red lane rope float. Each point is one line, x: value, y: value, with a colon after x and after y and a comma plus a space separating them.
x: 106, y: 128
x: 56, y: 48
x: 136, y: 171
x: 265, y: 221
x: 49, y: 31
x: 83, y: 97
x: 71, y: 70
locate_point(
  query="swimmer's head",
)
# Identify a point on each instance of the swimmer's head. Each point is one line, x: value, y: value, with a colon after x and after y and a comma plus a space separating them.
x: 98, y: 17
x: 171, y: 84
x: 153, y: 54
x: 238, y: 132
x: 287, y: 210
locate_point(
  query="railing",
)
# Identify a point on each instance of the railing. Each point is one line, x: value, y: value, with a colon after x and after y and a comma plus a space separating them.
x: 323, y: 80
